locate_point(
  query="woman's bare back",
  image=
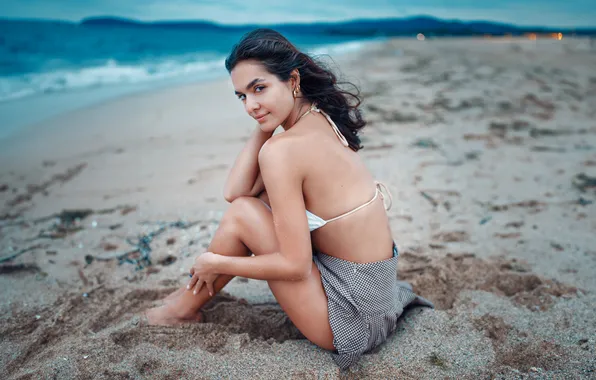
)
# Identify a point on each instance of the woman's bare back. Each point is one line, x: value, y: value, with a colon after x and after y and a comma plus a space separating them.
x: 338, y: 181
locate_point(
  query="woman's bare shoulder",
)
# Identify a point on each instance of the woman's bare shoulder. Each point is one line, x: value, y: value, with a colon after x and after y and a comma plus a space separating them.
x: 286, y: 145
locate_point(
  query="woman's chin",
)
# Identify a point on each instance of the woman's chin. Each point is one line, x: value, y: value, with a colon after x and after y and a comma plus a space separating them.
x: 266, y: 127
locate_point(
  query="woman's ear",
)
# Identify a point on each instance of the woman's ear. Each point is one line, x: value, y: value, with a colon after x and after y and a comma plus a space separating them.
x: 295, y: 78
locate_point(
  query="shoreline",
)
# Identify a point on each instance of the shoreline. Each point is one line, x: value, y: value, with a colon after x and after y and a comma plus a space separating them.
x: 15, y: 117
x: 14, y: 114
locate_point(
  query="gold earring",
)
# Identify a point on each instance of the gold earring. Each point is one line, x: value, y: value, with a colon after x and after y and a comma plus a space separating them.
x: 295, y: 93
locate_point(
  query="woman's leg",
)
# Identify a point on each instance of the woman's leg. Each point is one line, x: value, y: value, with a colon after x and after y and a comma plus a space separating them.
x: 175, y: 294
x: 247, y: 227
x: 182, y: 305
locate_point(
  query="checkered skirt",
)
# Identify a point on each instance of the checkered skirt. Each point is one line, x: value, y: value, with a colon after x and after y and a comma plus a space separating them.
x: 365, y: 301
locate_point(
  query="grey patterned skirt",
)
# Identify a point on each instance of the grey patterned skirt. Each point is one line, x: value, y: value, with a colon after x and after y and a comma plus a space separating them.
x: 364, y: 303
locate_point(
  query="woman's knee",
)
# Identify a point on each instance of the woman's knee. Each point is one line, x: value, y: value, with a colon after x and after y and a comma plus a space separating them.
x: 240, y: 211
x: 249, y: 220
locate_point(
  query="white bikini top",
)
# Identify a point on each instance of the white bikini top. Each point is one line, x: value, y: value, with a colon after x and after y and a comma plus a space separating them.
x: 314, y: 221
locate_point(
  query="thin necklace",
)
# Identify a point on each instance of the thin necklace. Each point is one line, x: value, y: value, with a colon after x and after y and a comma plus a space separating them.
x: 301, y: 116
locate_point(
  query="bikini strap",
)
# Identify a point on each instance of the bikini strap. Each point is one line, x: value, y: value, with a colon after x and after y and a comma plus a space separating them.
x: 335, y: 129
x: 381, y: 186
x: 378, y: 187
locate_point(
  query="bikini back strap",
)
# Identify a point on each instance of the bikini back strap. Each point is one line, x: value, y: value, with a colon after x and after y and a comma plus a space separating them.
x: 381, y: 187
x: 357, y: 208
x: 378, y: 187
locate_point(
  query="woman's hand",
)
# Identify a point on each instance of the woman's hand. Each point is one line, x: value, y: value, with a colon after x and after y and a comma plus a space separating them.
x: 202, y: 273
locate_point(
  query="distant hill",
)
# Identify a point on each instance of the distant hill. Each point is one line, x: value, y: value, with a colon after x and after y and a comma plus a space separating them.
x: 359, y: 28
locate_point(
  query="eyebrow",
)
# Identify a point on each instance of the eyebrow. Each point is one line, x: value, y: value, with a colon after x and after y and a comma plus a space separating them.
x: 252, y: 83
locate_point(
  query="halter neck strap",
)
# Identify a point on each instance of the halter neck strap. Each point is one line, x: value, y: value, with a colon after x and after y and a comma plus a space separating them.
x: 338, y: 133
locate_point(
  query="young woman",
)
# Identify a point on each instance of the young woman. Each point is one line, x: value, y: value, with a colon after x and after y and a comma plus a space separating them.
x: 305, y: 214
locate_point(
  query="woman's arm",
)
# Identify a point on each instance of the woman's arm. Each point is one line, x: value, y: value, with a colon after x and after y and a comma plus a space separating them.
x: 274, y: 266
x: 244, y: 178
x: 281, y: 166
x: 283, y: 175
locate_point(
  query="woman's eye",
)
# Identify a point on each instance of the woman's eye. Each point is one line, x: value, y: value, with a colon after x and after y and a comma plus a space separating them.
x: 259, y: 88
x: 241, y: 97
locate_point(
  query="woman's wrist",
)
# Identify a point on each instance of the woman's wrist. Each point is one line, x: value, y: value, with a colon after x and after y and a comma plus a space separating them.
x: 218, y: 263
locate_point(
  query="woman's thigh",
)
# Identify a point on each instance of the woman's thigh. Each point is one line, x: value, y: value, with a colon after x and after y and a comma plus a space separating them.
x: 304, y: 301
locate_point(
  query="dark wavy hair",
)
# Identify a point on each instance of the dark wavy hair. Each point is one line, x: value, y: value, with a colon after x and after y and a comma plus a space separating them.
x: 318, y: 84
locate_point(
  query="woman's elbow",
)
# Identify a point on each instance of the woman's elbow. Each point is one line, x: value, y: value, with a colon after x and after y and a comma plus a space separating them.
x: 230, y: 196
x: 301, y: 272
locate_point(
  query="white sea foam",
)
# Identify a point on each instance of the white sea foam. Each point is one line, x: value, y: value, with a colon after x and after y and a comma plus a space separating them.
x: 111, y: 73
x: 341, y: 48
x: 191, y: 67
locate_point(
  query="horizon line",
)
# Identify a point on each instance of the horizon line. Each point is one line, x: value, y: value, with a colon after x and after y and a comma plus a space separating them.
x: 284, y: 23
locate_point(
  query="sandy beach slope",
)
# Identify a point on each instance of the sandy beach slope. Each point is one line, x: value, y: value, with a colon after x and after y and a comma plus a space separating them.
x: 489, y: 149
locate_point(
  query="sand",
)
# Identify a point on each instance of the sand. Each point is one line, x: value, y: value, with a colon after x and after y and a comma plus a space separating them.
x: 488, y: 146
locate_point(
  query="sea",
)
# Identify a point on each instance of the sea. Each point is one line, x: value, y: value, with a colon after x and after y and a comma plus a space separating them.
x: 51, y: 67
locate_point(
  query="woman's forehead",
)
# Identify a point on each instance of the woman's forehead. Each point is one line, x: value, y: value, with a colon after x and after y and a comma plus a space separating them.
x: 250, y: 68
x: 247, y: 73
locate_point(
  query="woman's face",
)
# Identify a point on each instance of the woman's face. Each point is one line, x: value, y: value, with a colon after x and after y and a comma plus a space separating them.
x: 266, y: 99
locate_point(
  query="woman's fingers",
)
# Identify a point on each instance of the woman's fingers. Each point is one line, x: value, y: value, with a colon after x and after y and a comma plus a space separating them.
x: 200, y: 282
x: 192, y: 282
x: 198, y: 286
x: 196, y: 283
x: 210, y: 288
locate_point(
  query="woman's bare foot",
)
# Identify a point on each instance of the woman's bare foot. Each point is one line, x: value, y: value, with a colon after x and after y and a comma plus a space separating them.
x: 166, y: 316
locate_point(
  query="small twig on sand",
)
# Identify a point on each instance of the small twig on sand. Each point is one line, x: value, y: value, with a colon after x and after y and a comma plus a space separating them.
x: 115, y: 255
x: 452, y: 193
x: 533, y: 204
x: 12, y: 268
x: 430, y: 199
x: 18, y: 253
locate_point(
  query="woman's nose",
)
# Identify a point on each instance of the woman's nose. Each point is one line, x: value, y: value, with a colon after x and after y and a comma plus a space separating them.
x: 251, y: 105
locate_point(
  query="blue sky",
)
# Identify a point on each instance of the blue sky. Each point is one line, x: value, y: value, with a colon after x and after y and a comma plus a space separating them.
x: 569, y: 13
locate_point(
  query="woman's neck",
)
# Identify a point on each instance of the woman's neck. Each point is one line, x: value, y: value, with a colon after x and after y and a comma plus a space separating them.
x: 300, y: 109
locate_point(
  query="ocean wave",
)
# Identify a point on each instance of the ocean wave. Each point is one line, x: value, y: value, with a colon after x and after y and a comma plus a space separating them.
x: 110, y: 73
x: 191, y: 66
x: 340, y: 48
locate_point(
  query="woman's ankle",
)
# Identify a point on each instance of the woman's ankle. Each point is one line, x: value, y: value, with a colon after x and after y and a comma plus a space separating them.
x: 179, y: 309
x: 165, y: 315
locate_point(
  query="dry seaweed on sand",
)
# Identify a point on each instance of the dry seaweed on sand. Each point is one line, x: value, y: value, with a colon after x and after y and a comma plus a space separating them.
x: 71, y: 216
x: 584, y: 182
x: 139, y: 255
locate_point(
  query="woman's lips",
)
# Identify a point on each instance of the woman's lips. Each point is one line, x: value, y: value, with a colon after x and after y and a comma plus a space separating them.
x: 260, y: 118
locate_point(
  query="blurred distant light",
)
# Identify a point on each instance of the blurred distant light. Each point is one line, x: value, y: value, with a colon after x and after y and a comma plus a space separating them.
x: 557, y: 36
x: 532, y: 36
x: 420, y: 37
